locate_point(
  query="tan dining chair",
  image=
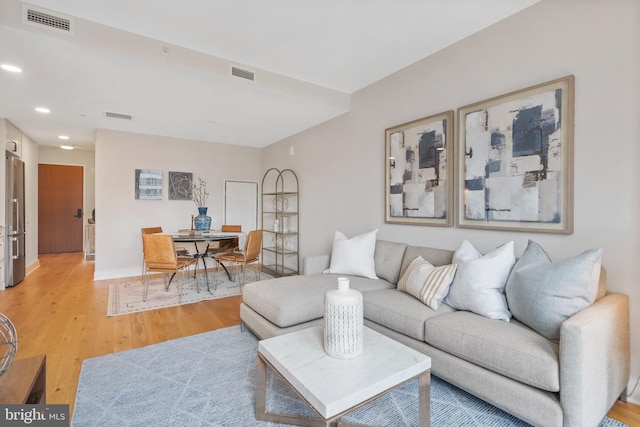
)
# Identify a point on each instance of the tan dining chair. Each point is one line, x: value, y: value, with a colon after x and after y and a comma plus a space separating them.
x: 160, y: 257
x: 152, y: 230
x: 147, y: 230
x: 242, y: 258
x: 232, y: 246
x: 182, y: 252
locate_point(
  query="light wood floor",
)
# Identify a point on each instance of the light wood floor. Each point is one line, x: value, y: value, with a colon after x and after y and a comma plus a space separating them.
x: 59, y: 311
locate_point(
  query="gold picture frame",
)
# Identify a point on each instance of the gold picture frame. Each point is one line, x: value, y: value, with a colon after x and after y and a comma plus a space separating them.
x: 418, y: 173
x: 514, y: 162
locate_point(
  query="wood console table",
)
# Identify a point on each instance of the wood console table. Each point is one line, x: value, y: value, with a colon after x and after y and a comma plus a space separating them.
x: 25, y: 382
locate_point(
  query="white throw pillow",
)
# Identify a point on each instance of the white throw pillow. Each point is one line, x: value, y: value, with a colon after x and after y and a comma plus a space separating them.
x: 480, y: 281
x: 427, y: 283
x: 354, y: 256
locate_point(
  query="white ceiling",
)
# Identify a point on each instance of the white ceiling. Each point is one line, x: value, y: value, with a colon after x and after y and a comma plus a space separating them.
x: 167, y: 63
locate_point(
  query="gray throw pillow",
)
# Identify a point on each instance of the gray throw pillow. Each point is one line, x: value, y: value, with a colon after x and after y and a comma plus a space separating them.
x: 543, y: 294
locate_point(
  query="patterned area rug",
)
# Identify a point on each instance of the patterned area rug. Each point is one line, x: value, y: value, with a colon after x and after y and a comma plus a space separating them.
x: 209, y: 380
x: 125, y: 295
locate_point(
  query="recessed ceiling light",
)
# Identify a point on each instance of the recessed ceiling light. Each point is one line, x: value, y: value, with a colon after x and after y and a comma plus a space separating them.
x: 63, y: 137
x: 11, y: 68
x: 66, y: 147
x: 43, y: 110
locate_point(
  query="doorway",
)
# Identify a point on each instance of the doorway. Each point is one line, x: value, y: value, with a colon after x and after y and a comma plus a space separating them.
x: 60, y: 202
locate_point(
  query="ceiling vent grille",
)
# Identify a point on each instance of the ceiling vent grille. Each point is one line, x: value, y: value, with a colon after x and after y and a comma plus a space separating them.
x: 118, y: 116
x: 243, y: 74
x: 46, y: 18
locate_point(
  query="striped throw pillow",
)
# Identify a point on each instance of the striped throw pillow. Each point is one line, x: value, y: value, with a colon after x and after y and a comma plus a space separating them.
x: 427, y: 283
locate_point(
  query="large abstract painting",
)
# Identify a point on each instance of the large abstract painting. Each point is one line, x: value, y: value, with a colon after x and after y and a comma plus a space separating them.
x: 419, y: 178
x: 515, y: 160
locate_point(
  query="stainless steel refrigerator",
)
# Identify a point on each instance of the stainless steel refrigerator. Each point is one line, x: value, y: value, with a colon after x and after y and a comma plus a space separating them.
x: 15, y: 220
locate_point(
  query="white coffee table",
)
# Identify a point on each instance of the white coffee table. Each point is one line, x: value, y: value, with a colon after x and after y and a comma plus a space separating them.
x: 334, y: 387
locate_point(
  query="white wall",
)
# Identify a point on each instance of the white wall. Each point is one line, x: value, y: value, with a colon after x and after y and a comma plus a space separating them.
x: 119, y: 216
x: 30, y: 159
x: 341, y: 162
x: 3, y: 166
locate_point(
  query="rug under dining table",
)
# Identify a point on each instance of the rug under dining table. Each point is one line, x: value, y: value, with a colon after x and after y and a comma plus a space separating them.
x: 125, y: 295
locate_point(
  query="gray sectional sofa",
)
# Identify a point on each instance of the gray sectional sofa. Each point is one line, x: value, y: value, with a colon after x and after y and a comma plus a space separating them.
x: 571, y: 382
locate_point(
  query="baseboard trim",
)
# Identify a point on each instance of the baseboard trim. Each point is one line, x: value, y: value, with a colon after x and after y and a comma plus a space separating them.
x: 32, y: 267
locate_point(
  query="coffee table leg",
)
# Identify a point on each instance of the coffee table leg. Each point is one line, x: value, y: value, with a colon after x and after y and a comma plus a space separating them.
x: 261, y: 390
x: 261, y: 404
x: 424, y: 396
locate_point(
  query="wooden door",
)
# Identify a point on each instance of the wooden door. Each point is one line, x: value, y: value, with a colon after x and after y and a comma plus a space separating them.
x: 60, y: 216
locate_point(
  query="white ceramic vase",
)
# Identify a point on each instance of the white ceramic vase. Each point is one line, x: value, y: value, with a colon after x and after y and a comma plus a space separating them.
x: 343, y: 321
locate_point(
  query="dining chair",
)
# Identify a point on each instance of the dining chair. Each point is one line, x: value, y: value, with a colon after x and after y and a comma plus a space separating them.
x: 241, y: 258
x: 147, y: 230
x: 230, y: 247
x: 160, y: 257
x: 182, y: 252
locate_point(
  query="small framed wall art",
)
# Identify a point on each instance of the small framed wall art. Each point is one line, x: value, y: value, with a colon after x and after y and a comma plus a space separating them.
x: 515, y: 160
x: 148, y: 184
x: 418, y: 174
x: 180, y: 185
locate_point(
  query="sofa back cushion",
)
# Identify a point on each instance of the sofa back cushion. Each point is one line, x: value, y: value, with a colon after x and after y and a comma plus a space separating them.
x: 437, y: 257
x: 388, y: 259
x: 602, y: 283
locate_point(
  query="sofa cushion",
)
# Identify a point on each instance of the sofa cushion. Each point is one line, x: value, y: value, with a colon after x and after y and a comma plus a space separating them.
x: 427, y: 283
x: 602, y: 283
x: 400, y: 312
x: 480, y: 281
x: 388, y: 259
x: 542, y: 294
x: 435, y: 256
x: 354, y: 256
x: 287, y: 301
x: 510, y: 349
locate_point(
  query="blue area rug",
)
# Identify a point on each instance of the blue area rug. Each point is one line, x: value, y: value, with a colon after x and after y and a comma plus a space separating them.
x: 209, y: 380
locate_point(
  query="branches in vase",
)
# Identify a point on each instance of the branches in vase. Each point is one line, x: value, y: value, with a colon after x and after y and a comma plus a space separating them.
x: 199, y: 193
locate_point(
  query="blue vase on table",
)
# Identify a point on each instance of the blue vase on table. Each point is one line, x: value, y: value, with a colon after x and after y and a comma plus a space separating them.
x: 202, y: 222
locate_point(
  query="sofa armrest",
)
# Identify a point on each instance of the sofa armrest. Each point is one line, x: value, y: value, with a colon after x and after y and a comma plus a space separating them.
x: 316, y: 264
x: 594, y: 360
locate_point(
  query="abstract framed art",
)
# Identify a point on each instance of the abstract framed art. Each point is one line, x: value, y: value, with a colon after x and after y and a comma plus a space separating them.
x: 148, y: 184
x: 418, y: 174
x: 514, y: 165
x: 180, y: 185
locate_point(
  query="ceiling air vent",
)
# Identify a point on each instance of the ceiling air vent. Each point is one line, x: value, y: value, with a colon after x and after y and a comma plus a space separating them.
x: 118, y: 115
x: 243, y: 74
x: 47, y: 19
